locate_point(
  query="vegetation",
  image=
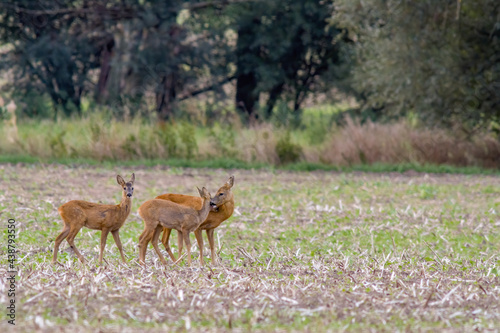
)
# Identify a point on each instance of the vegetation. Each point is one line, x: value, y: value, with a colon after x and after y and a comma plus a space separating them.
x: 303, y: 251
x: 319, y: 141
x: 123, y: 54
x: 439, y: 60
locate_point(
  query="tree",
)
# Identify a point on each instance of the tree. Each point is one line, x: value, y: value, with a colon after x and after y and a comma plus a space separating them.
x: 58, y: 44
x: 439, y: 59
x: 283, y: 48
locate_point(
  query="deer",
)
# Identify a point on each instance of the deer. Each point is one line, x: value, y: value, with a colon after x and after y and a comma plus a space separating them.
x: 107, y: 218
x: 158, y: 214
x: 222, y: 210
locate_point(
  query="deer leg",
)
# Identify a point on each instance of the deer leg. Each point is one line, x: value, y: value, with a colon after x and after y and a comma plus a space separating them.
x: 116, y: 237
x: 210, y: 236
x: 199, y: 239
x: 179, y: 242
x: 165, y: 241
x: 185, y: 234
x: 104, y: 236
x: 71, y: 241
x: 156, y: 236
x: 64, y: 233
x: 144, y: 239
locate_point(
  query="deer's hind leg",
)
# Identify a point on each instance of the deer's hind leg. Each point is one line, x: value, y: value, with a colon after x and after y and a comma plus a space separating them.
x: 71, y: 238
x: 180, y: 240
x: 165, y: 241
x: 156, y: 236
x: 144, y: 239
x: 64, y: 233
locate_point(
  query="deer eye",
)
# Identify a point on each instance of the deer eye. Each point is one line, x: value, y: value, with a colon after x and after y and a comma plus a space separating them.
x: 124, y: 188
x: 221, y: 194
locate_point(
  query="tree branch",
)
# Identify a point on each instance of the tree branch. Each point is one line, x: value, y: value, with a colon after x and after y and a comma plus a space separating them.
x: 206, y: 89
x: 206, y: 4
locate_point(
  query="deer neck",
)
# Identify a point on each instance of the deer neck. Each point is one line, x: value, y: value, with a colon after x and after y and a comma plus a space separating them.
x: 125, y: 205
x: 205, y: 209
x: 227, y: 208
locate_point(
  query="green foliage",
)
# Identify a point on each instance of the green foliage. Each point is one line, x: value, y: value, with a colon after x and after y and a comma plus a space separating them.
x: 283, y: 49
x: 168, y: 139
x: 188, y: 139
x: 288, y: 151
x: 439, y: 59
x: 223, y: 138
x: 56, y: 143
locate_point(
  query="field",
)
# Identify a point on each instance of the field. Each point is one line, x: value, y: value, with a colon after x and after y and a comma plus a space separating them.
x: 304, y: 251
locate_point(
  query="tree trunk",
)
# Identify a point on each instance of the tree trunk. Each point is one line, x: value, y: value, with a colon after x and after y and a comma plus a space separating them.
x: 246, y: 95
x: 105, y: 59
x: 274, y: 94
x: 165, y: 98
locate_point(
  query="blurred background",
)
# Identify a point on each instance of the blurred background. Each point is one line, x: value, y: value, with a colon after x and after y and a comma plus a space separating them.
x: 322, y: 83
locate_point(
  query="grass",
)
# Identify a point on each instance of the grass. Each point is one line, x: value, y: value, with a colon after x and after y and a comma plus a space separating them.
x: 231, y: 163
x: 304, y: 251
x: 317, y: 143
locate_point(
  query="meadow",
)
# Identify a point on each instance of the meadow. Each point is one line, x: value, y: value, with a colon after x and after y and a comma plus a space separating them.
x: 322, y: 138
x: 304, y: 251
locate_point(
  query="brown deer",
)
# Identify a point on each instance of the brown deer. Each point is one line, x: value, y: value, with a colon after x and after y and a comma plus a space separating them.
x: 158, y: 214
x: 223, y: 209
x: 77, y: 214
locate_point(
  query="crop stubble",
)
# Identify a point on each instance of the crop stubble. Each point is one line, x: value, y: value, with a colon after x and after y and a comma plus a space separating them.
x: 303, y: 251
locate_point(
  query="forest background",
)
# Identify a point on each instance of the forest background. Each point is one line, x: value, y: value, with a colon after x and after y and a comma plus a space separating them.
x: 310, y: 84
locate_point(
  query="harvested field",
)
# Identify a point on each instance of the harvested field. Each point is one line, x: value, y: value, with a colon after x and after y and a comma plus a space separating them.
x: 309, y: 251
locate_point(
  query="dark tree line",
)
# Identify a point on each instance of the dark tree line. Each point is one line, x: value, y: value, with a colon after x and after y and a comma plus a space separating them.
x: 126, y: 50
x: 437, y: 59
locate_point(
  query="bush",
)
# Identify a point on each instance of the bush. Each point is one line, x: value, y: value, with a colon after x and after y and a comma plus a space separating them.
x: 288, y: 152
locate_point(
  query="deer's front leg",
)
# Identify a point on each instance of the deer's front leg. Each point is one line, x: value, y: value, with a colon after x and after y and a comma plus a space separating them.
x: 199, y: 239
x: 210, y: 236
x: 116, y: 237
x: 185, y: 233
x: 104, y: 236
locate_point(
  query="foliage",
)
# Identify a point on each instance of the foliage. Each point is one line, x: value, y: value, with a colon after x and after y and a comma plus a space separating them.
x: 124, y: 54
x: 103, y: 138
x: 282, y: 50
x: 439, y: 59
x: 288, y: 152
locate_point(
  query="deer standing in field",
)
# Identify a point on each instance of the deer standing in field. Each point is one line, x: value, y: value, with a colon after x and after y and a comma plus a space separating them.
x: 158, y: 214
x: 223, y: 209
x: 78, y: 213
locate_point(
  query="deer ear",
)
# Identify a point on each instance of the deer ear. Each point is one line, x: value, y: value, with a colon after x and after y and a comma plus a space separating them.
x: 120, y: 180
x: 132, y: 179
x: 205, y: 191
x: 199, y: 191
x: 230, y: 182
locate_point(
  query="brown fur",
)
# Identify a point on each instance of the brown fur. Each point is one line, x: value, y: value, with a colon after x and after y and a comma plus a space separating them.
x: 158, y: 214
x: 108, y: 218
x: 224, y: 210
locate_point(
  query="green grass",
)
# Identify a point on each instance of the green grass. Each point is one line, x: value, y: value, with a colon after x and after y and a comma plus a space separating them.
x: 230, y: 163
x: 303, y: 251
x: 315, y: 143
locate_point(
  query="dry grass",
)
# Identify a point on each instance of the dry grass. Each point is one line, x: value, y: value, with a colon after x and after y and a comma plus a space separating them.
x: 303, y: 252
x: 400, y: 143
x: 102, y: 139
